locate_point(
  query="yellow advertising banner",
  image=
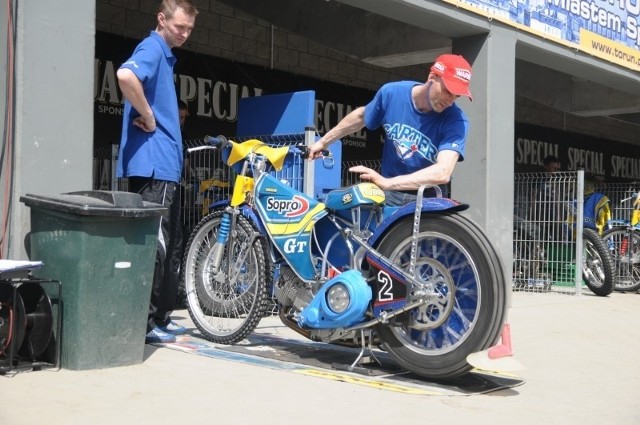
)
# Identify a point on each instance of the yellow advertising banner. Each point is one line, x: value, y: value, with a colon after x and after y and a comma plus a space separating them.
x: 604, y: 30
x: 609, y: 50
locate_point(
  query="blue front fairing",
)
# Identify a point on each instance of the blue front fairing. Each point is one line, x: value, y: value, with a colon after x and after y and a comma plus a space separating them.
x: 289, y: 216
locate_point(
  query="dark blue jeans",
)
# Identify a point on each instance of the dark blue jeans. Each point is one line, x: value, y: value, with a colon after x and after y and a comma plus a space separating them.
x: 166, y: 273
x: 394, y: 198
x: 397, y: 198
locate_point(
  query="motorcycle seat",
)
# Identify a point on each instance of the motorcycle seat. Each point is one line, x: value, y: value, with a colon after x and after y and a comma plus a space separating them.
x: 354, y: 196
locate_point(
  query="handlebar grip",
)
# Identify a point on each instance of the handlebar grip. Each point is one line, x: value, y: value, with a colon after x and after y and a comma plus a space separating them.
x: 326, y: 153
x: 219, y: 141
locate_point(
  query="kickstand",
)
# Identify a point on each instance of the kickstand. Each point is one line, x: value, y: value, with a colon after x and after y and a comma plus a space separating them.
x: 362, y: 359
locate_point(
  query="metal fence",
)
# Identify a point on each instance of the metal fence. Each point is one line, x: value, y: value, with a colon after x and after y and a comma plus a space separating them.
x: 545, y: 229
x: 349, y: 178
x: 205, y: 178
x: 546, y: 232
x: 617, y: 192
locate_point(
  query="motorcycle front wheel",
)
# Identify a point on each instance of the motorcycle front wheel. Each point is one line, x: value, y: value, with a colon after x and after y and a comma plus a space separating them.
x: 597, y: 264
x: 227, y: 302
x: 455, y: 260
x: 624, y: 245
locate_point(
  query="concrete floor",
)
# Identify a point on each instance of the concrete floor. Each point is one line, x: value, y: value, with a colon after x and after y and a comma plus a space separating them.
x: 580, y: 355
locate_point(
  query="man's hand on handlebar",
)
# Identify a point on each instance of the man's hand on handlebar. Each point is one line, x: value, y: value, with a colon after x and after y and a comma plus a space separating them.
x: 317, y: 150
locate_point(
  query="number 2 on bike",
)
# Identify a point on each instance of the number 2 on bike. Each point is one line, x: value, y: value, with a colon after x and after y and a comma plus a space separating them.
x: 421, y: 281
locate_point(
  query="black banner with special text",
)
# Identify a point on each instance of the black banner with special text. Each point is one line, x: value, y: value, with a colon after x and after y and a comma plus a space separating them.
x: 614, y: 160
x: 212, y: 87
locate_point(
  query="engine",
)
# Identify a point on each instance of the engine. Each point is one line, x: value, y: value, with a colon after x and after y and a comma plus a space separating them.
x: 340, y: 302
x: 291, y: 292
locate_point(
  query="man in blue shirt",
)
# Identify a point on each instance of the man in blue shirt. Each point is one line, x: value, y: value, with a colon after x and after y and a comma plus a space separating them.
x: 151, y: 150
x: 425, y: 131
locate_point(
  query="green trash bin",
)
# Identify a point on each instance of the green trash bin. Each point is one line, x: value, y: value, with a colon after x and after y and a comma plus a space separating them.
x: 101, y: 246
x: 561, y: 263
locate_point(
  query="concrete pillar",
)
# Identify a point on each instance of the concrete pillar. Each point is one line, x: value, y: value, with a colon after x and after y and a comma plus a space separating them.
x: 52, y: 141
x: 485, y: 178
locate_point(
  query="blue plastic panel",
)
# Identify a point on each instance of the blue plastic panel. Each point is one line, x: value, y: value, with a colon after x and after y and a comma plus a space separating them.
x: 289, y: 115
x: 328, y: 175
x: 276, y: 114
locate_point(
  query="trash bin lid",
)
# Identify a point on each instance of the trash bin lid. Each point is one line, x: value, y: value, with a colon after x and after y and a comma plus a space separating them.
x: 96, y: 203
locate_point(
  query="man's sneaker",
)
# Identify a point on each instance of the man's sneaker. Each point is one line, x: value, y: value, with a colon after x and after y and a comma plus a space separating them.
x: 173, y: 328
x: 157, y: 335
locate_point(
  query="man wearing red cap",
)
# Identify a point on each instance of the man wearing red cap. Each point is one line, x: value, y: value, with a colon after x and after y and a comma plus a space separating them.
x: 425, y: 131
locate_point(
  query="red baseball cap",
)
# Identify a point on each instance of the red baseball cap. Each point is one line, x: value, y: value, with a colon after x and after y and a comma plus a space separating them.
x: 455, y: 71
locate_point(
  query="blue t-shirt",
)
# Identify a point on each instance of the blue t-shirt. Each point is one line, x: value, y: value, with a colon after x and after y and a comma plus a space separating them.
x: 413, y: 139
x: 157, y: 154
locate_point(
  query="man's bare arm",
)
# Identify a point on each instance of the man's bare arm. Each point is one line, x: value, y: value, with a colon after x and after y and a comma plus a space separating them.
x: 133, y: 91
x: 351, y: 123
x: 438, y: 173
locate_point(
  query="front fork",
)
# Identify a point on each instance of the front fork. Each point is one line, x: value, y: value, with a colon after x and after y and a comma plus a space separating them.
x: 226, y: 240
x: 241, y: 187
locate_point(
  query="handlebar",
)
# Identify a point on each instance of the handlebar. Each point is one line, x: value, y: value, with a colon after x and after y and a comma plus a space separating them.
x: 212, y: 143
x: 635, y: 195
x: 219, y: 142
x: 199, y: 148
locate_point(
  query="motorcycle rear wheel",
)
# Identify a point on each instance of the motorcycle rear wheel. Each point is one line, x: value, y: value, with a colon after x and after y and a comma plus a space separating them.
x: 224, y: 306
x: 473, y: 285
x: 597, y: 265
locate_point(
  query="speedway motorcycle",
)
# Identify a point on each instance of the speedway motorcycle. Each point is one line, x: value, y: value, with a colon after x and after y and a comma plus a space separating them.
x: 420, y: 281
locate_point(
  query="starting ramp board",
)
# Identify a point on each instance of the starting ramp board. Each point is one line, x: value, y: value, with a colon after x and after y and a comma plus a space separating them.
x: 332, y: 362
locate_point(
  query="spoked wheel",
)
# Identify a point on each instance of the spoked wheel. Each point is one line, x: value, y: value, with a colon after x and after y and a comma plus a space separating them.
x: 624, y: 245
x: 456, y: 264
x: 597, y: 264
x: 226, y: 303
